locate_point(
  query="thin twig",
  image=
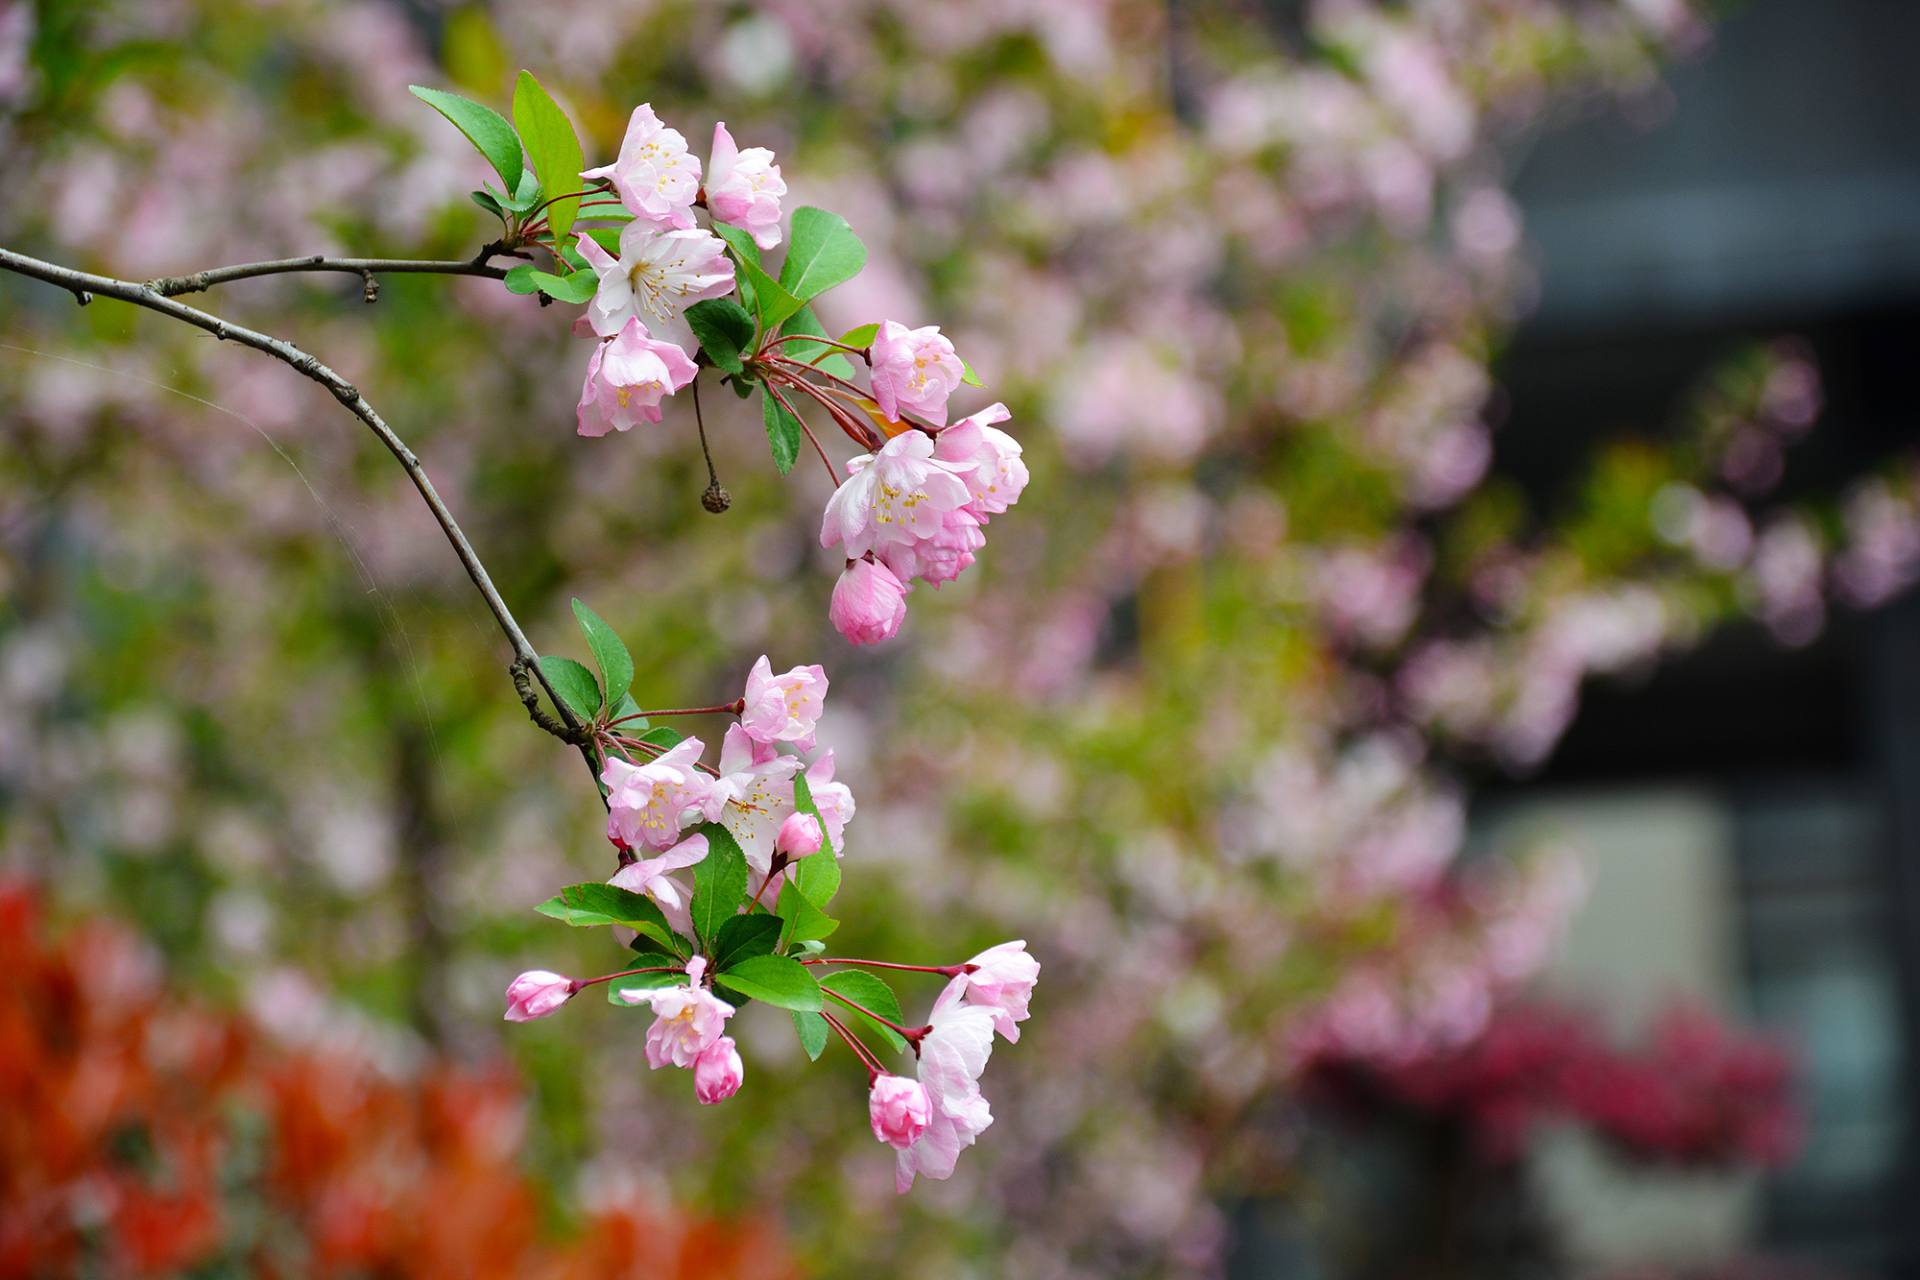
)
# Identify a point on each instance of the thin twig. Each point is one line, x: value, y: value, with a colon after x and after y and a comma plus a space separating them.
x: 173, y: 286
x: 82, y: 283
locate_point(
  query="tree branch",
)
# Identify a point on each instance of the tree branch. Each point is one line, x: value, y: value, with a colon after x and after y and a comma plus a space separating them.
x: 85, y: 285
x: 173, y: 286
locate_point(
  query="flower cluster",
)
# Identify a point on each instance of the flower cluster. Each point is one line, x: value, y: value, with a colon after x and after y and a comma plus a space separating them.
x: 658, y: 287
x: 771, y: 814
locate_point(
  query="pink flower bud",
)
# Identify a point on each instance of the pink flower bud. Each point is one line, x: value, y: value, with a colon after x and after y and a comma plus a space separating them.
x: 868, y: 604
x: 799, y: 836
x: 899, y: 1110
x: 717, y: 1072
x: 537, y: 993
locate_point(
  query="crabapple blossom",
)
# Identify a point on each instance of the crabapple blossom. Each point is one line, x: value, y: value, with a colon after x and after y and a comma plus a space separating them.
x: 627, y: 377
x: 799, y: 836
x: 752, y: 796
x: 647, y: 803
x: 656, y: 176
x: 833, y: 801
x: 686, y: 1020
x: 869, y: 604
x: 914, y: 371
x: 658, y: 275
x: 1000, y: 980
x: 891, y: 498
x: 783, y: 708
x: 986, y: 458
x: 650, y: 877
x: 952, y: 1056
x: 943, y: 557
x: 898, y: 1109
x: 537, y: 993
x: 717, y: 1072
x: 744, y: 188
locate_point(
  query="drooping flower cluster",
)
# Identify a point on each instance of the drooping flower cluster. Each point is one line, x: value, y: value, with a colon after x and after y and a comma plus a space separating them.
x: 917, y: 508
x: 762, y: 835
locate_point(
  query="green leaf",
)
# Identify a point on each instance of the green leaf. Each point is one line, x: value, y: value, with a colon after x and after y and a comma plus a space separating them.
x: 968, y: 376
x: 830, y: 361
x: 822, y: 253
x: 861, y: 335
x: 817, y: 874
x: 673, y: 941
x: 763, y: 295
x: 485, y: 128
x: 589, y: 905
x: 488, y: 201
x: 553, y: 148
x: 742, y: 387
x: 577, y: 287
x: 575, y: 685
x: 609, y: 654
x: 805, y: 922
x: 719, y: 883
x: 662, y: 736
x: 724, y: 329
x: 783, y: 432
x: 872, y: 994
x: 520, y: 279
x: 776, y: 980
x: 607, y: 238
x: 744, y: 936
x: 812, y: 1030
x: 628, y: 707
x: 526, y: 195
x: 647, y: 981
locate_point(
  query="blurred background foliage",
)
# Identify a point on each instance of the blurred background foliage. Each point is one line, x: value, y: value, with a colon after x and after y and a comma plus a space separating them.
x: 1202, y: 727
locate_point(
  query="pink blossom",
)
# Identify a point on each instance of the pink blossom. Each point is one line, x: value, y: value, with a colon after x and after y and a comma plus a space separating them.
x: 744, y: 188
x: 783, y: 708
x: 658, y: 275
x: 752, y: 796
x: 894, y: 498
x: 1000, y: 980
x: 986, y: 458
x: 833, y: 801
x: 914, y: 371
x: 799, y: 836
x: 687, y: 1020
x: 627, y: 378
x: 717, y: 1072
x: 649, y: 876
x: 647, y: 804
x: 537, y: 993
x: 656, y: 176
x: 952, y: 1056
x: 898, y: 1109
x: 943, y: 557
x: 868, y: 603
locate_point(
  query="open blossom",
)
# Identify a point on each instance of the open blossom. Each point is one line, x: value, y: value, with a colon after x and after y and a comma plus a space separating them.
x: 952, y: 1056
x: 651, y: 876
x: 986, y: 458
x: 898, y: 1109
x: 627, y: 378
x: 537, y: 993
x: 687, y: 1020
x: 647, y: 803
x: 744, y: 188
x: 943, y: 557
x: 833, y: 801
x: 914, y: 371
x: 717, y: 1072
x: 752, y: 796
x: 1000, y: 980
x: 896, y: 497
x: 658, y: 275
x: 869, y: 604
x: 783, y: 708
x: 799, y: 836
x: 655, y: 175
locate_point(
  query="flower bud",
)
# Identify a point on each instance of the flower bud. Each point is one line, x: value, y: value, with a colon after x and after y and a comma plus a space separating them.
x: 868, y: 603
x: 799, y: 836
x: 717, y: 1072
x: 899, y: 1110
x: 537, y: 993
